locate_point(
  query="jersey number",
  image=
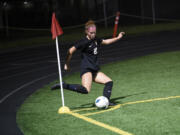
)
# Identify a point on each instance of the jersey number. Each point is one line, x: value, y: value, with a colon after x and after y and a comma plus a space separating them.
x: 95, y: 51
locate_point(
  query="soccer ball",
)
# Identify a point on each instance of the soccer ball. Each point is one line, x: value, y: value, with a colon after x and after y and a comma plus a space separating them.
x: 102, y: 102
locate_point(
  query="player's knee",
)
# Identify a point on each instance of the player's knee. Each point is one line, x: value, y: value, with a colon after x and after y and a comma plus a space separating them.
x: 108, y: 80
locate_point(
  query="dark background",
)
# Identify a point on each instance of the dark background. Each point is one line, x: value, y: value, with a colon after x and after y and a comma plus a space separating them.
x: 17, y: 17
x: 37, y: 13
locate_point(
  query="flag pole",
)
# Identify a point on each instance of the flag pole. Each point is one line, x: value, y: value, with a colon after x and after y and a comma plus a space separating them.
x: 56, y: 31
x: 62, y: 109
x: 59, y: 68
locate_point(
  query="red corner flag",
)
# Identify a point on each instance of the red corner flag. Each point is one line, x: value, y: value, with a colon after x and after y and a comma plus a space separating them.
x: 56, y: 29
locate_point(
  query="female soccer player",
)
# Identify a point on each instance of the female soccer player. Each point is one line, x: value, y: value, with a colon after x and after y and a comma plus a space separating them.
x: 90, y: 70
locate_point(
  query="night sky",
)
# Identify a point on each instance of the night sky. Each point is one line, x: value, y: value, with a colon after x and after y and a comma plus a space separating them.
x: 37, y: 13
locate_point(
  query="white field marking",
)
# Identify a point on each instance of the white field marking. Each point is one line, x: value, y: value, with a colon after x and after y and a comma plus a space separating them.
x: 19, y: 65
x: 29, y: 58
x: 26, y: 84
x: 11, y: 68
x: 52, y: 61
x: 26, y: 64
x: 33, y: 58
x: 26, y: 72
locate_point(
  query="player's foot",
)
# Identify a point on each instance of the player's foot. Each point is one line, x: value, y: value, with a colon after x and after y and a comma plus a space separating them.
x: 55, y: 86
x: 112, y: 104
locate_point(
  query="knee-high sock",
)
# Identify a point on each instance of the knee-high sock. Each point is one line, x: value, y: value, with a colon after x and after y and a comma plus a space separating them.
x: 108, y: 89
x: 77, y: 87
x: 73, y: 87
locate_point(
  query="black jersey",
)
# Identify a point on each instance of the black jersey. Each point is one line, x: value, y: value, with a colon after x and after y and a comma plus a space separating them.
x: 89, y: 50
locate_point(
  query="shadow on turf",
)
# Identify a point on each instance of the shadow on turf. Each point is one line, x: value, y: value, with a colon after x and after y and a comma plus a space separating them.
x: 114, y: 100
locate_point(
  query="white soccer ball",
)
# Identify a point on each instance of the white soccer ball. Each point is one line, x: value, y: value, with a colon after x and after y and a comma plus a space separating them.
x: 102, y: 102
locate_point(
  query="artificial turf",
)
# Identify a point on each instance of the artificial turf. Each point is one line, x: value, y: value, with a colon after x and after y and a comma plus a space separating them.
x: 138, y: 79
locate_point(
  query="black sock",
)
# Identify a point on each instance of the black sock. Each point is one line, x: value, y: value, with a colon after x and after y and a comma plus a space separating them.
x: 108, y: 89
x: 73, y: 87
x: 76, y: 87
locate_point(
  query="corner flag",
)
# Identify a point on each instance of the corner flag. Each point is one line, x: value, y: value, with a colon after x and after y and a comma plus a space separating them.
x: 56, y: 31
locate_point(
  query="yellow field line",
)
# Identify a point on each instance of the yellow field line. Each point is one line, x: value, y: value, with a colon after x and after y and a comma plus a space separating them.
x: 85, y: 109
x: 151, y: 100
x: 114, y: 129
x: 128, y: 103
x: 111, y: 109
x: 111, y: 128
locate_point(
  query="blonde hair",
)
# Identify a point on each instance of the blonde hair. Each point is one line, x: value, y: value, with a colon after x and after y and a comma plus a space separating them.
x: 89, y: 24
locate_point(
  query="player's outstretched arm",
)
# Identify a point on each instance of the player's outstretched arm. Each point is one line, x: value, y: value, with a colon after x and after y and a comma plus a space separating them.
x: 112, y: 40
x: 68, y: 58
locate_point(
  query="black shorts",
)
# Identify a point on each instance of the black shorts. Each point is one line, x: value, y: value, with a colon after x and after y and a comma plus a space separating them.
x: 83, y: 71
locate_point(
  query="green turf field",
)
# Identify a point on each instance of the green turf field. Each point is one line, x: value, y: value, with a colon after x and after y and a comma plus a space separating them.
x: 146, y: 90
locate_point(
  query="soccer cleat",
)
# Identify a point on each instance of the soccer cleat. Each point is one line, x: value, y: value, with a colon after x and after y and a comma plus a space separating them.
x: 55, y: 86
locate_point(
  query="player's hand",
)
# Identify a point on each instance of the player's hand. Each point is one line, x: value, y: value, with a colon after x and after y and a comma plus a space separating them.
x: 120, y: 35
x: 66, y: 67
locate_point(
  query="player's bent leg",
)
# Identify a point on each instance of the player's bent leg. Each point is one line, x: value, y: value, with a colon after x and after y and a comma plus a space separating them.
x: 72, y: 87
x: 108, y: 89
x: 83, y: 89
x: 77, y: 88
x: 101, y: 78
x: 104, y: 79
x: 87, y: 80
x: 57, y: 86
x: 107, y: 92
